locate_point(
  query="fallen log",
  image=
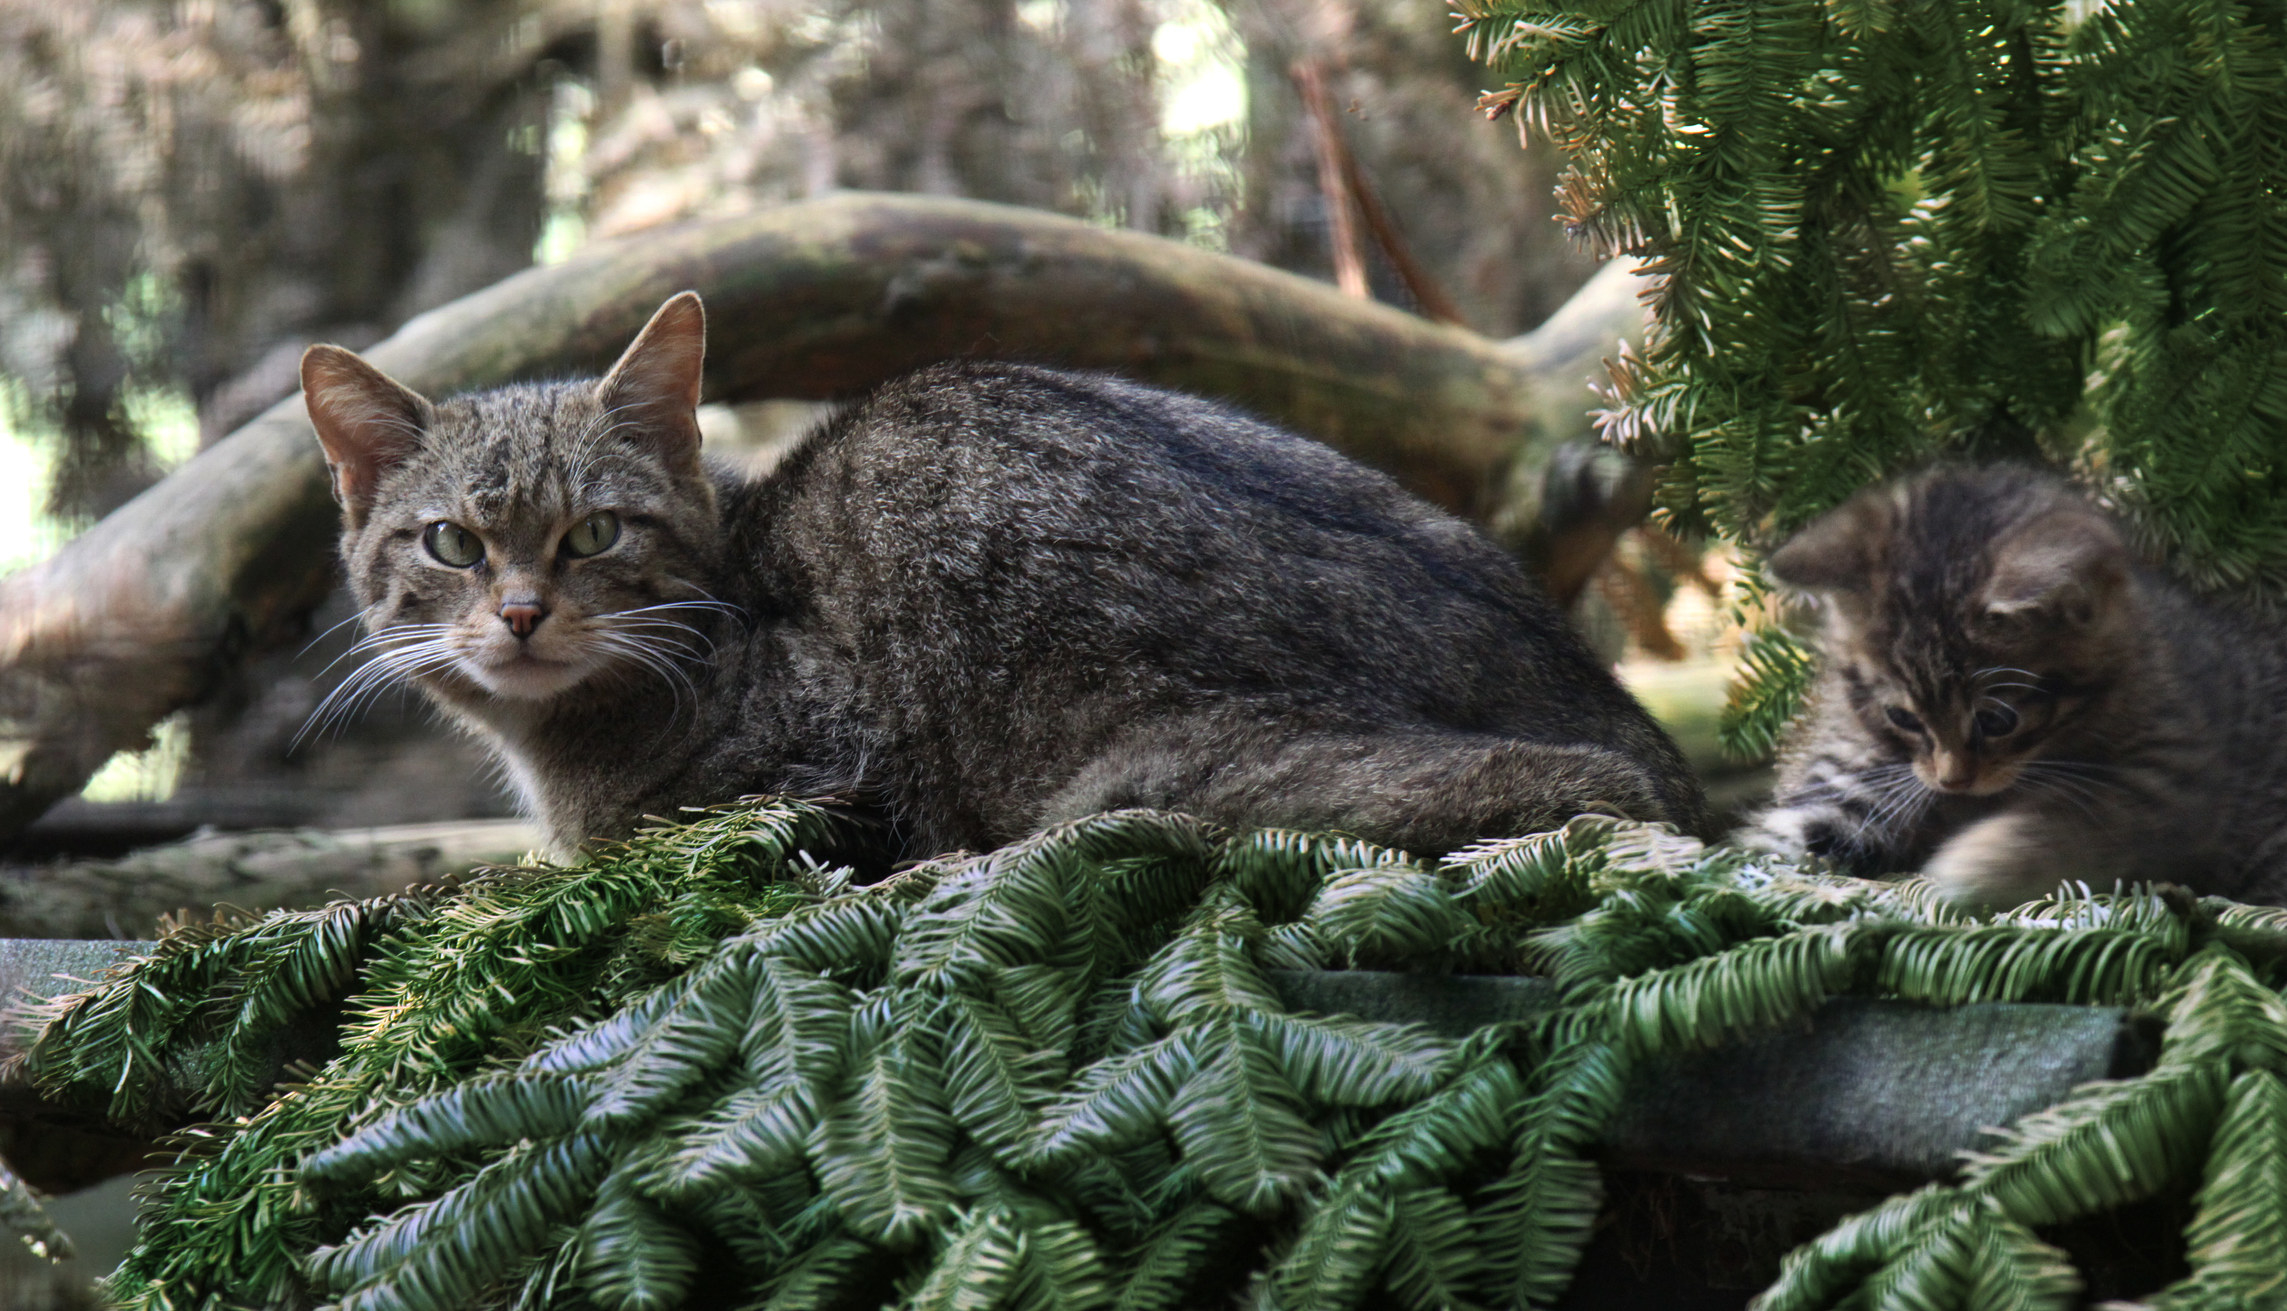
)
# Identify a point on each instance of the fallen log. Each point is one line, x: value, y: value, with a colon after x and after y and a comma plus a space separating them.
x: 276, y: 869
x: 147, y: 610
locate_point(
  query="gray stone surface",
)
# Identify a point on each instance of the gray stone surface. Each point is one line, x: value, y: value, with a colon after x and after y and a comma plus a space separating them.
x: 51, y: 967
x: 1879, y: 1092
x: 56, y: 1149
x: 1882, y: 1087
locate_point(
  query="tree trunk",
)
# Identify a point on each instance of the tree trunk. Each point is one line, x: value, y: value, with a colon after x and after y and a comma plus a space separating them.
x: 140, y: 615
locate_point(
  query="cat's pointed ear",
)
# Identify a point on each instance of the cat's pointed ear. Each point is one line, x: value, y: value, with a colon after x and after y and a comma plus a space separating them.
x: 1841, y: 550
x: 2063, y: 567
x: 367, y: 421
x: 654, y: 389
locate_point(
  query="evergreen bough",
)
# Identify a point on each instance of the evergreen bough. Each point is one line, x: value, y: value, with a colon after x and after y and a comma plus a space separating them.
x: 1886, y: 231
x: 706, y: 1068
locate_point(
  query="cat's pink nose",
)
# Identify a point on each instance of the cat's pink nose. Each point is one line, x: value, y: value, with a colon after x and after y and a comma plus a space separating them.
x: 522, y: 617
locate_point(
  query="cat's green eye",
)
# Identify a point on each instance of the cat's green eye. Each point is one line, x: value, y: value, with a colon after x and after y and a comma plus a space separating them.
x: 453, y: 544
x: 593, y: 534
x: 1905, y: 719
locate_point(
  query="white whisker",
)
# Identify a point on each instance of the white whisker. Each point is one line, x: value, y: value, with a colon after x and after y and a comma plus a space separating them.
x: 394, y: 666
x: 646, y: 654
x: 331, y: 629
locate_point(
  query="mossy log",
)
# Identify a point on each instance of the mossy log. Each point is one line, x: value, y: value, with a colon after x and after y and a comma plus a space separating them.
x: 143, y: 613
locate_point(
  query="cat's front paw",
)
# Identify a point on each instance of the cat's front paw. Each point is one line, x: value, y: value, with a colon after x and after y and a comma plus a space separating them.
x: 2007, y: 861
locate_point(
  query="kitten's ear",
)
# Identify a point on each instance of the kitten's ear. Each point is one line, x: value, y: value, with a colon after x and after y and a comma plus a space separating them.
x: 2064, y: 567
x: 367, y: 421
x: 1841, y: 550
x: 655, y: 386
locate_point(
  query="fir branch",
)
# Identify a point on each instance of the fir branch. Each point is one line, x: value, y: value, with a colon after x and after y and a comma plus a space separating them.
x: 1770, y: 686
x: 882, y: 1145
x: 937, y: 1087
x: 2237, y: 1240
x: 1751, y: 986
x: 2112, y: 1144
x: 632, y: 1256
x: 1239, y: 1122
x: 1823, y: 1272
x: 1383, y: 913
x: 1162, y: 1269
x: 1949, y: 965
x: 1885, y: 233
x: 1433, y: 1259
x: 441, y: 1254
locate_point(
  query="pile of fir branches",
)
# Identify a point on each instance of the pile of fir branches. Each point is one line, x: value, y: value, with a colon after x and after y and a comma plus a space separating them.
x: 707, y: 1068
x: 1882, y: 232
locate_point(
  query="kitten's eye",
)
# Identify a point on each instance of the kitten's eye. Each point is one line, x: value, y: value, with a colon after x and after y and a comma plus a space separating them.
x: 1905, y: 719
x: 593, y: 534
x: 453, y: 544
x: 1997, y: 721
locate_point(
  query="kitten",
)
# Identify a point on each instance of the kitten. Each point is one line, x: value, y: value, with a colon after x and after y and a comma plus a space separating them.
x: 2010, y: 701
x: 984, y: 598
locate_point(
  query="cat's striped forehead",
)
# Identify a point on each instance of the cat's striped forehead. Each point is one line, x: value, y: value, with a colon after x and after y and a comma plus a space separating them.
x: 539, y: 447
x: 1940, y: 560
x: 1963, y: 546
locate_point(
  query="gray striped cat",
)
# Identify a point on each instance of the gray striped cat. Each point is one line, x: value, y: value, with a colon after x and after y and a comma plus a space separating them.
x: 2009, y: 700
x: 982, y: 599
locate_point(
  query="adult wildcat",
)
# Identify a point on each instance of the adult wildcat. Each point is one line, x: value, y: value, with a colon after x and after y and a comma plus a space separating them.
x: 981, y: 599
x: 2008, y: 697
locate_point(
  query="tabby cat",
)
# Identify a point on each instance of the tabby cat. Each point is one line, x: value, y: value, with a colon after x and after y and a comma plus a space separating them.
x: 984, y: 598
x: 2009, y: 700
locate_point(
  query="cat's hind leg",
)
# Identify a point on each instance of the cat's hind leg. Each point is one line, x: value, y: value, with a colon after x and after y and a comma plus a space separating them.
x: 1422, y: 791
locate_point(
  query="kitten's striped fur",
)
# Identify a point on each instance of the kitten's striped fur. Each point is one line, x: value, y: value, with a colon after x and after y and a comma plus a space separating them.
x: 2010, y: 700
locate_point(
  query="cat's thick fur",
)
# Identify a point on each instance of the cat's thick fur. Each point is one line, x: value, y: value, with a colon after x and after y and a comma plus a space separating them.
x: 2009, y: 700
x: 984, y: 598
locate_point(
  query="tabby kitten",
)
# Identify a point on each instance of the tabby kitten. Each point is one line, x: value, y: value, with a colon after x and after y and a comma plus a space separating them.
x: 2010, y: 701
x: 984, y: 598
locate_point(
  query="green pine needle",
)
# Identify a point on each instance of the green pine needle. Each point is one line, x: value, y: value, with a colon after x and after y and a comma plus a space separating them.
x: 1769, y: 688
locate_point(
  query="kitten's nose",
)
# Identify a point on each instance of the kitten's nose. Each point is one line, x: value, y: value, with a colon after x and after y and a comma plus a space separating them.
x: 1955, y: 771
x: 522, y: 616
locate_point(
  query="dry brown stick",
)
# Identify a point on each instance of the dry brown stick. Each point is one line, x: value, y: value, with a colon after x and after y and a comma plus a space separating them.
x: 1632, y: 597
x: 1679, y: 559
x: 1356, y: 189
x: 1333, y: 185
x: 1428, y: 293
x: 142, y: 613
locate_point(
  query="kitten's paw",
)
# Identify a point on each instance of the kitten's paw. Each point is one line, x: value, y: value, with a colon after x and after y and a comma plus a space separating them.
x: 1793, y: 831
x: 2002, y: 862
